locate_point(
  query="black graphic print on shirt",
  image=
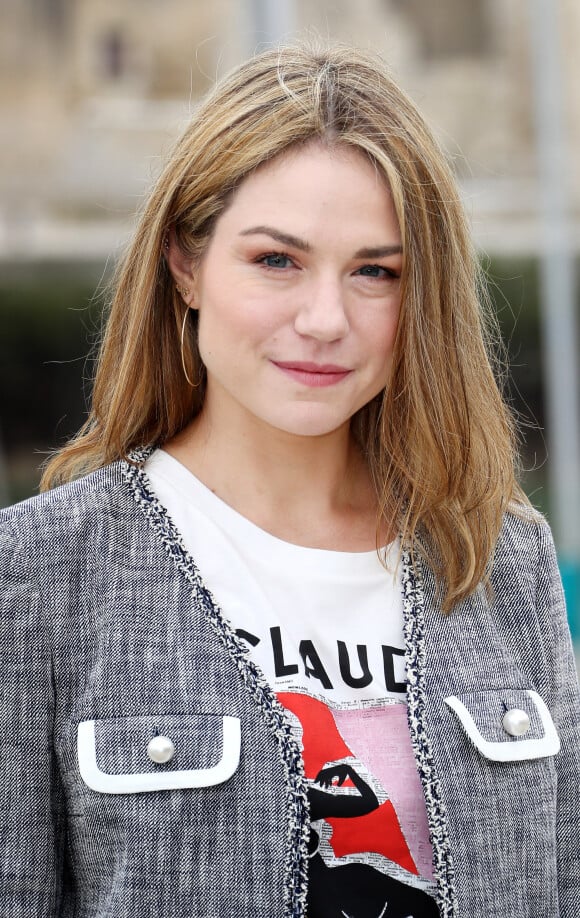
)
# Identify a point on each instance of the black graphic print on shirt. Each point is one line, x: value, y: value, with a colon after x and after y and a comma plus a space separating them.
x: 360, y: 860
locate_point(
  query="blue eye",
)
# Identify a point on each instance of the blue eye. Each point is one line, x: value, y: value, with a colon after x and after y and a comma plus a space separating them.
x: 375, y: 271
x: 275, y: 260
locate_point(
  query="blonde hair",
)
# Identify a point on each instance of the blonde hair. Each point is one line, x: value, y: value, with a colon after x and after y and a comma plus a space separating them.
x: 440, y: 443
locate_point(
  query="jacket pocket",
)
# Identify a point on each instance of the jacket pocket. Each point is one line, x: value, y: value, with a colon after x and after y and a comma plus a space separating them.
x: 152, y: 753
x: 507, y: 725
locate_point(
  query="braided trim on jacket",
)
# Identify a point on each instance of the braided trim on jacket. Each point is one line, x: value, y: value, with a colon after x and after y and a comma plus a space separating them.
x: 296, y: 866
x: 414, y: 631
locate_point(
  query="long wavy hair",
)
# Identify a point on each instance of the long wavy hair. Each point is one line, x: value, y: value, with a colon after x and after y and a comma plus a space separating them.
x: 440, y: 442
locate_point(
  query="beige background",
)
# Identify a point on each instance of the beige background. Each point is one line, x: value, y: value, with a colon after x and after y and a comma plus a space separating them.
x: 93, y: 92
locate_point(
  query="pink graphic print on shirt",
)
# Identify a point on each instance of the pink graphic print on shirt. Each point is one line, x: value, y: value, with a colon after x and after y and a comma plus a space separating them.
x: 357, y: 830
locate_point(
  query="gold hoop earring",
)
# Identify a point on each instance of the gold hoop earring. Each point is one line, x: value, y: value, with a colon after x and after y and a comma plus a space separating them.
x: 185, y: 373
x: 183, y: 291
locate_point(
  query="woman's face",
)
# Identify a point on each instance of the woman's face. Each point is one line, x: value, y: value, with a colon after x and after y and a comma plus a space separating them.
x: 298, y: 294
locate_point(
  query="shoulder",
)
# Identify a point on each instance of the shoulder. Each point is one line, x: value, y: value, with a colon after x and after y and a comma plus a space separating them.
x: 527, y: 599
x: 525, y: 538
x: 525, y: 565
x: 68, y: 518
x: 60, y: 500
x: 524, y: 582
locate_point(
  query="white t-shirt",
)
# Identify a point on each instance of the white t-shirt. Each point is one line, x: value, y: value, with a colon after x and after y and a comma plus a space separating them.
x: 326, y: 629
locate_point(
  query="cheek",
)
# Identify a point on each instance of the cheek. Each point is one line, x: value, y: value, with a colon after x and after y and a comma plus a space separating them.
x: 393, y: 323
x: 236, y: 316
x: 230, y: 324
x: 380, y: 335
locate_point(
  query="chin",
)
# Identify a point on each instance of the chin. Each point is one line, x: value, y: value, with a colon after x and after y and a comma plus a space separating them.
x: 312, y: 425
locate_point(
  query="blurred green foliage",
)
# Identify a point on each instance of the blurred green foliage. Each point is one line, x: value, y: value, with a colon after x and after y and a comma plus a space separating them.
x: 50, y: 317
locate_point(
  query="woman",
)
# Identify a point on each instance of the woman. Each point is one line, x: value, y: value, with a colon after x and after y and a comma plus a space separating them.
x: 288, y: 637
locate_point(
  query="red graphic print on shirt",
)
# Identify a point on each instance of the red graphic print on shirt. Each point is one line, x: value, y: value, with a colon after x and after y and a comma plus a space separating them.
x: 358, y: 845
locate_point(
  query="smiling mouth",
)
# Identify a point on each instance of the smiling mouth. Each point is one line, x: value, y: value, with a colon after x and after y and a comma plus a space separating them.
x: 313, y: 374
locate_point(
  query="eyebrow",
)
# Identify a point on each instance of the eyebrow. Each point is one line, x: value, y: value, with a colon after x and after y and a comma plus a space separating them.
x: 283, y: 238
x: 379, y: 251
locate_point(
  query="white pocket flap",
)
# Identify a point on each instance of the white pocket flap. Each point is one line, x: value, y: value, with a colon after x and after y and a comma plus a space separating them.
x: 481, y: 715
x: 113, y: 758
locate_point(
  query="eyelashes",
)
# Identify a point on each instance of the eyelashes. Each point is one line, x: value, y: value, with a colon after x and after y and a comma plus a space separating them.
x: 378, y: 272
x: 275, y: 261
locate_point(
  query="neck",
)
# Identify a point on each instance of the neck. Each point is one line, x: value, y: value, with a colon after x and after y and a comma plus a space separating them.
x: 314, y: 491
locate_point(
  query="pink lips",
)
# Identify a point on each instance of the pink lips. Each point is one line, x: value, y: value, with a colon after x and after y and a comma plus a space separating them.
x: 313, y: 374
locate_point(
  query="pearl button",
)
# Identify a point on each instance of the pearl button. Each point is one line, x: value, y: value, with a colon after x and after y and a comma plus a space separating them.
x: 160, y: 749
x: 516, y: 722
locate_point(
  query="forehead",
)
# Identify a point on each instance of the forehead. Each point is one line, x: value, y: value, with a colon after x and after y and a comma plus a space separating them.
x: 313, y: 183
x: 314, y: 158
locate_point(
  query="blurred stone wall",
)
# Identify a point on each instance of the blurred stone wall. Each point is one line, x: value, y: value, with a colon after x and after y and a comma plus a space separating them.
x: 93, y: 93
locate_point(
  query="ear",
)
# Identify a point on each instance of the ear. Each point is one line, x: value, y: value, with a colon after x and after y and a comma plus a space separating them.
x: 181, y: 269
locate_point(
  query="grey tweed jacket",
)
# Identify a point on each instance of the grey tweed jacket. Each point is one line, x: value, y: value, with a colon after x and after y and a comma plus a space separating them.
x: 109, y: 639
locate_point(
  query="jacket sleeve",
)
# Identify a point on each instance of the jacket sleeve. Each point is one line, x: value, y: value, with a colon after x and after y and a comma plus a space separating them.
x: 31, y: 804
x: 565, y: 707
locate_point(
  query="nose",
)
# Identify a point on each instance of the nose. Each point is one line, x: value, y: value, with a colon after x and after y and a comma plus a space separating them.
x: 322, y: 313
